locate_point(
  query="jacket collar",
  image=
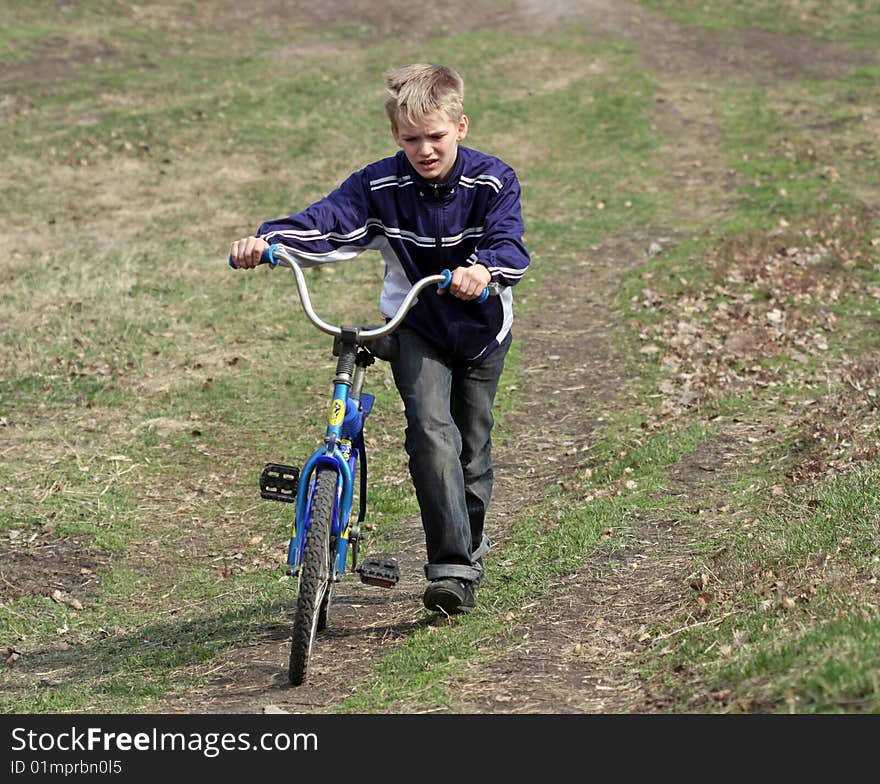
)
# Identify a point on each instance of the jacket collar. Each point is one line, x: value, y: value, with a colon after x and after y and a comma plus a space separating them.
x: 441, y: 191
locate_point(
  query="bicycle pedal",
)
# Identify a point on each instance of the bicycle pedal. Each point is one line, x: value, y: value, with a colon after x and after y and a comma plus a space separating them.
x: 381, y: 571
x: 279, y: 483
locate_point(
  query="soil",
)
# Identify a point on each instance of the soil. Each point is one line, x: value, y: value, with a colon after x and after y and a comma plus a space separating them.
x: 44, y: 567
x: 573, y: 653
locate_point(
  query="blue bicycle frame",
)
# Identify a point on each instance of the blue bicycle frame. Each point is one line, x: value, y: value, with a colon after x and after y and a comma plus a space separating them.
x: 343, y: 446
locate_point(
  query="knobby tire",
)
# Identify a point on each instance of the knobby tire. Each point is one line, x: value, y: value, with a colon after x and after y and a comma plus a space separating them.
x: 315, y: 576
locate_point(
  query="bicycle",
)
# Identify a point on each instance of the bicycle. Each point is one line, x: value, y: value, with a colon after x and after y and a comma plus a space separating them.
x: 323, y: 536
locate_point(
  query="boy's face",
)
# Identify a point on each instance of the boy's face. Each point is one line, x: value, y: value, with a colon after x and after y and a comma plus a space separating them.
x: 431, y: 144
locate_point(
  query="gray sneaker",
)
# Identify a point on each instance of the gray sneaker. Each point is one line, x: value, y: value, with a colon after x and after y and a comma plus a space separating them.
x: 450, y: 595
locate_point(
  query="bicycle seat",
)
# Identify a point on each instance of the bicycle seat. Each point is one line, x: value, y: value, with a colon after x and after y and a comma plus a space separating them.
x: 385, y: 347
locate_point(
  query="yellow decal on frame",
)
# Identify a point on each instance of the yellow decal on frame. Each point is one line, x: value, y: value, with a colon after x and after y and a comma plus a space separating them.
x: 337, y: 412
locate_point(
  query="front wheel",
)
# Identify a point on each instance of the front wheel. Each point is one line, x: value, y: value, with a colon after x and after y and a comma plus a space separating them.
x: 315, y: 576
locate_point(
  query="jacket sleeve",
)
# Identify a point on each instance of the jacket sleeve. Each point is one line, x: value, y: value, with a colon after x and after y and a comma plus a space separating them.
x: 501, y: 247
x: 336, y: 228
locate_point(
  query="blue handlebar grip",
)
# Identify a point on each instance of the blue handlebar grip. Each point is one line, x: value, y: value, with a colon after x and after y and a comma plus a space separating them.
x: 268, y: 257
x: 447, y: 279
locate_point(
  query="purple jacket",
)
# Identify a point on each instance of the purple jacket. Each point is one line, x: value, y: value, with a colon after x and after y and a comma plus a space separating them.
x: 420, y: 229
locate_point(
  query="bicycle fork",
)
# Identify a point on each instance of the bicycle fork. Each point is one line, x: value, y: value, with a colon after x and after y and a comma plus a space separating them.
x: 344, y: 428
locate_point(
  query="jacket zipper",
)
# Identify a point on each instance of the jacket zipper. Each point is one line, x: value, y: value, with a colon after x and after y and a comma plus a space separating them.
x: 438, y: 216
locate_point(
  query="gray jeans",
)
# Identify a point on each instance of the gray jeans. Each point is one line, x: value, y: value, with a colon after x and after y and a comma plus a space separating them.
x: 448, y: 440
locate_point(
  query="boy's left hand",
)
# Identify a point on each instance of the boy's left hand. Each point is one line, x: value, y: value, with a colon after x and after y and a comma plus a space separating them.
x: 468, y: 282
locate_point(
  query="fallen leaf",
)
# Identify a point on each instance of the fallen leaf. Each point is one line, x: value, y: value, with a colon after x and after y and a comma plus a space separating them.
x: 704, y: 599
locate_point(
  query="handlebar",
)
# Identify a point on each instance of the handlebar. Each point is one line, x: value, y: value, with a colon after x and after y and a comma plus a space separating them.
x: 278, y: 256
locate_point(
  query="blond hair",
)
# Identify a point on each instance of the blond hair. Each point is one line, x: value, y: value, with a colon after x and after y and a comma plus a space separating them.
x: 417, y: 90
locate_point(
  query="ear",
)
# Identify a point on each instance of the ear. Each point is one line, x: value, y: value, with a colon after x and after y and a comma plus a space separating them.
x: 463, y: 125
x: 395, y: 134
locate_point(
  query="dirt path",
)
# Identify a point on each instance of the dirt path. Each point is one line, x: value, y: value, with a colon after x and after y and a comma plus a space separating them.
x: 573, y: 655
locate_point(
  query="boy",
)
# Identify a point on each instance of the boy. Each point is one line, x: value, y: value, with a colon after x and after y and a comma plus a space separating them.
x: 434, y: 205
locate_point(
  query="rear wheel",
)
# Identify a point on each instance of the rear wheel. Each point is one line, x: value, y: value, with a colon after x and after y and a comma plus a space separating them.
x: 315, y: 577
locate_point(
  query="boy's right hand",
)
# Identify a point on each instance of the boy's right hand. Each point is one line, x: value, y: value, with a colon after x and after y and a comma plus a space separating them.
x: 245, y: 253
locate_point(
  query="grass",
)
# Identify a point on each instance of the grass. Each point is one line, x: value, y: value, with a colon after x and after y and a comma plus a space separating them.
x: 800, y: 633
x: 144, y: 383
x: 793, y: 608
x: 853, y: 22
